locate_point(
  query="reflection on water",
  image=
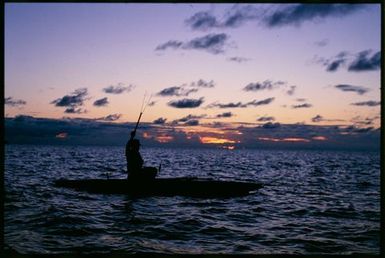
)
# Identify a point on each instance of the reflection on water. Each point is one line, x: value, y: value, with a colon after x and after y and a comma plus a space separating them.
x: 312, y: 202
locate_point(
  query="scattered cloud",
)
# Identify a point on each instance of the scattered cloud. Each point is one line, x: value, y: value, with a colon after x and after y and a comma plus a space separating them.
x: 225, y: 115
x: 110, y: 118
x: 118, y: 89
x: 270, y: 125
x: 185, y: 89
x: 291, y: 90
x: 73, y: 110
x: 176, y: 91
x: 101, y: 102
x: 238, y: 59
x: 266, y: 119
x: 186, y: 103
x: 202, y: 21
x: 260, y: 102
x: 347, y: 87
x: 269, y: 85
x: 31, y: 130
x: 273, y: 16
x: 358, y: 120
x: 72, y: 101
x: 304, y: 105
x: 212, y: 43
x: 192, y: 122
x: 296, y: 15
x: 317, y: 118
x: 14, y: 102
x: 322, y: 43
x: 240, y: 104
x: 370, y: 103
x: 203, y: 84
x: 265, y: 85
x: 365, y: 62
x: 159, y: 121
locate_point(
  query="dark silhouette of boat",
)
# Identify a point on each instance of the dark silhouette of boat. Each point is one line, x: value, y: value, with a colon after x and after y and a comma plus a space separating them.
x: 184, y: 186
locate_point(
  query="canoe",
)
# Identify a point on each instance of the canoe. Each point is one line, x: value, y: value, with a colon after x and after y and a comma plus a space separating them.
x: 193, y: 187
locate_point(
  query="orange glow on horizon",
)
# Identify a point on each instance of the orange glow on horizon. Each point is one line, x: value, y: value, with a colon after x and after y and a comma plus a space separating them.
x: 164, y: 138
x: 319, y: 138
x: 214, y: 140
x: 61, y: 135
x: 291, y: 139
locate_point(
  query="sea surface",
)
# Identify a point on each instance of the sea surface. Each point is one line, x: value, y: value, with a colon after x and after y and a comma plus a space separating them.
x: 312, y: 202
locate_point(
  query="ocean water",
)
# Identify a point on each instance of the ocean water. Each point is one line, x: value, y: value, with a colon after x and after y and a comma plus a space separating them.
x: 312, y: 202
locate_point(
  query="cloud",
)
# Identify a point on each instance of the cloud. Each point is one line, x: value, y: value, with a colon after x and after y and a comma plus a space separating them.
x: 265, y: 85
x: 160, y: 121
x: 322, y: 43
x: 238, y: 59
x: 269, y: 85
x: 73, y: 110
x: 305, y: 105
x: 358, y: 120
x: 176, y: 91
x: 272, y: 16
x: 192, y: 122
x: 270, y: 125
x: 234, y: 17
x: 261, y: 102
x: 118, y: 89
x: 185, y: 89
x: 72, y: 101
x: 203, y: 84
x: 173, y: 44
x: 14, y: 102
x: 186, y: 103
x: 370, y: 103
x: 202, y: 21
x: 300, y: 13
x: 240, y: 104
x: 225, y: 115
x: 265, y: 119
x: 101, y: 102
x: 212, y: 43
x: 346, y: 87
x: 75, y: 99
x: 80, y: 131
x: 110, y: 118
x: 291, y: 90
x: 317, y: 119
x: 364, y: 62
x: 227, y: 105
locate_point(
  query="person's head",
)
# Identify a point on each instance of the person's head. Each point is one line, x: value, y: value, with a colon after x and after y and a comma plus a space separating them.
x: 135, y: 144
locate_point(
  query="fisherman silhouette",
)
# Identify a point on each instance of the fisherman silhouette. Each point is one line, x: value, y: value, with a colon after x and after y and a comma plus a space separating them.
x: 135, y: 169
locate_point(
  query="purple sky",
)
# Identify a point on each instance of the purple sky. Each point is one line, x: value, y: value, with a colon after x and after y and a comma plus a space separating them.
x: 204, y: 64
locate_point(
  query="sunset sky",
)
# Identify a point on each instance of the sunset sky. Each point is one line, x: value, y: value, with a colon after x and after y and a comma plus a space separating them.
x: 218, y: 73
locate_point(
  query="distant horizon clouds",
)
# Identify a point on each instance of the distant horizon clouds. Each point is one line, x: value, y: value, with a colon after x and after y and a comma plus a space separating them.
x: 14, y: 102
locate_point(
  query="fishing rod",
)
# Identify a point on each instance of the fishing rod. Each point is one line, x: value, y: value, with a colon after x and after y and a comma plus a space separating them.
x: 142, y: 109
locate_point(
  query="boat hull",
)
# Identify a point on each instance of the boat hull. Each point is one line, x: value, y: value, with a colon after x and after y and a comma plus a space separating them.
x: 162, y: 187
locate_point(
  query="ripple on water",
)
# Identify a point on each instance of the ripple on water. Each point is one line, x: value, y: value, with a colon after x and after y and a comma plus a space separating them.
x: 311, y: 203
